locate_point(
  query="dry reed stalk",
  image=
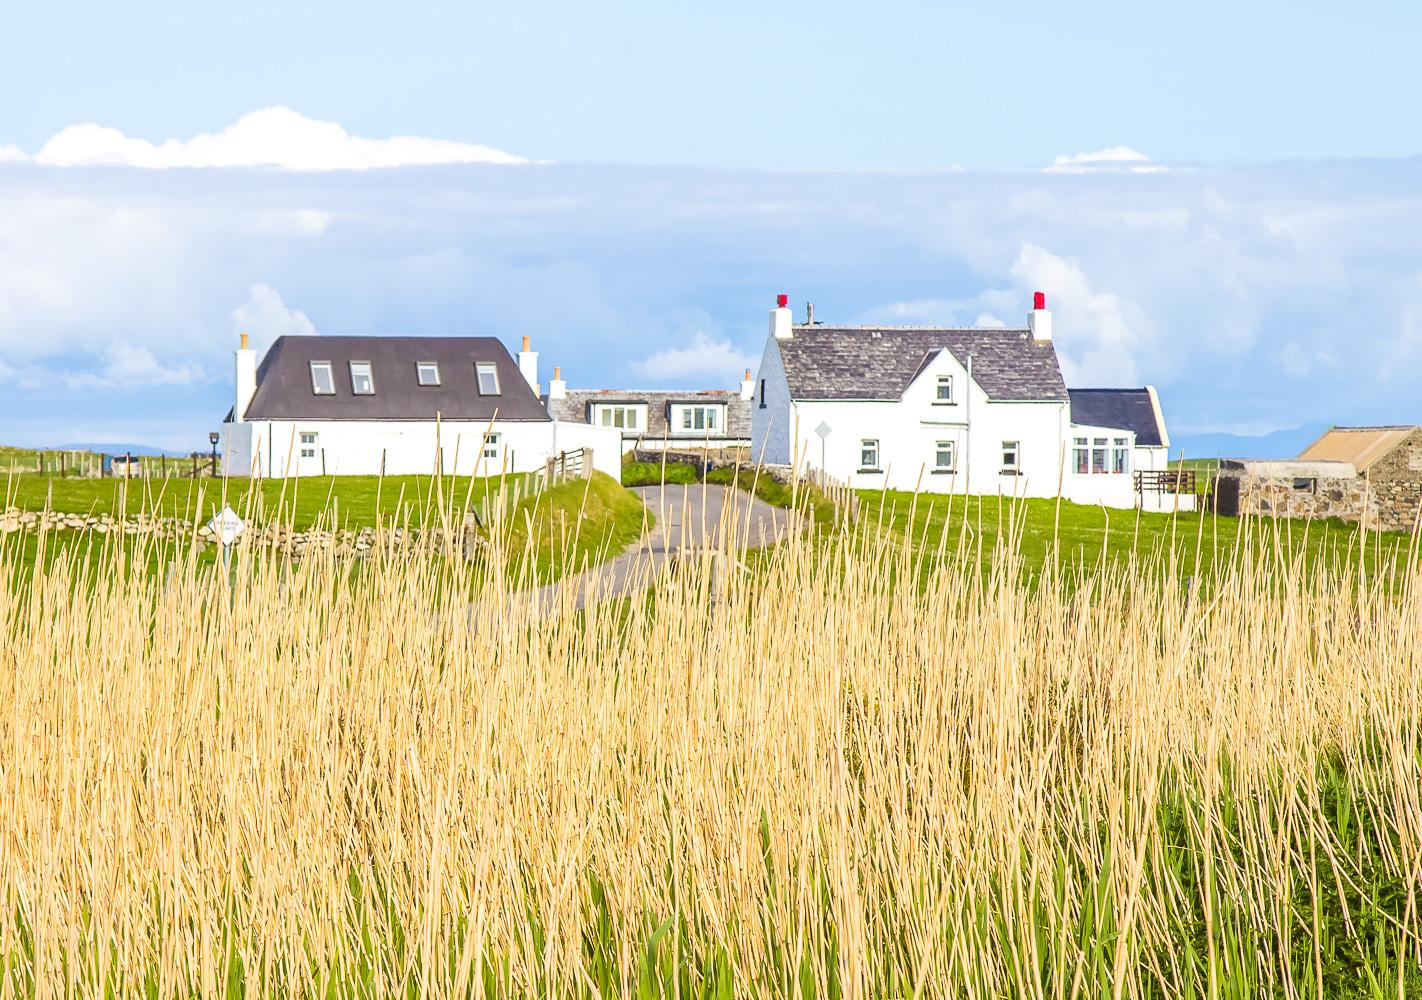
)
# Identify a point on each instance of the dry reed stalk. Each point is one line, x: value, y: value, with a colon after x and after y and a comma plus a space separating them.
x: 867, y: 767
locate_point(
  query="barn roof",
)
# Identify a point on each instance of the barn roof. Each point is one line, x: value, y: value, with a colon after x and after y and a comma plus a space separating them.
x: 1359, y: 446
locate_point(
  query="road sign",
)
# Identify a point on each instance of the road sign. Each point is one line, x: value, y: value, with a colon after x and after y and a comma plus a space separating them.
x: 823, y: 430
x: 226, y: 527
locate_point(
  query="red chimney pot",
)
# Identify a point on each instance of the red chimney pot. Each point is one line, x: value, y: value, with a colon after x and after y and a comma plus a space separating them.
x: 782, y: 300
x: 1039, y: 300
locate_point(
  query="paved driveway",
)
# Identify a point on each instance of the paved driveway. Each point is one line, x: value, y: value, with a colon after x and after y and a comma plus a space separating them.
x: 688, y: 519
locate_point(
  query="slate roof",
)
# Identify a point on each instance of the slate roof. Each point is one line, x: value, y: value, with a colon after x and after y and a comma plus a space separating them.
x: 1124, y: 409
x: 576, y: 406
x: 827, y: 362
x: 284, y: 380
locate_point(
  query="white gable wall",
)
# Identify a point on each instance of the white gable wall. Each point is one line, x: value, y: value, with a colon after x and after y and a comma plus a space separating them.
x: 772, y: 424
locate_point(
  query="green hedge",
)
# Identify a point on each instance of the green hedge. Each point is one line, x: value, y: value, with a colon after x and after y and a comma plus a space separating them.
x: 654, y: 473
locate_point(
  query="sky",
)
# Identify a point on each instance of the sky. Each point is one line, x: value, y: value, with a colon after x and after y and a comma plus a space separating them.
x: 1222, y: 200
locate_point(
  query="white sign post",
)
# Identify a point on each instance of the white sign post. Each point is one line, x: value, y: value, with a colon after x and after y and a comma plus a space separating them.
x: 823, y: 431
x: 227, y: 527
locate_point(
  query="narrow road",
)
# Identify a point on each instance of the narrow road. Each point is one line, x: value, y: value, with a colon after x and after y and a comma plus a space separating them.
x: 688, y: 519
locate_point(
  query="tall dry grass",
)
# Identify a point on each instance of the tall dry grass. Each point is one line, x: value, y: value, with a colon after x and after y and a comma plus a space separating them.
x: 809, y: 778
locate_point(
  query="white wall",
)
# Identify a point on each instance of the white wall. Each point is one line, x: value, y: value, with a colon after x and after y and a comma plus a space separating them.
x: 356, y: 447
x: 771, y: 424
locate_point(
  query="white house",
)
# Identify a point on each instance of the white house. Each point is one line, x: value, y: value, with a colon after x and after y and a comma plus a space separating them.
x: 321, y: 405
x: 950, y: 410
x: 660, y: 419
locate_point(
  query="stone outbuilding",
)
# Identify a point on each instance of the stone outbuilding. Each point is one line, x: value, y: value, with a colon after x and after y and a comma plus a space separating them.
x: 1368, y: 474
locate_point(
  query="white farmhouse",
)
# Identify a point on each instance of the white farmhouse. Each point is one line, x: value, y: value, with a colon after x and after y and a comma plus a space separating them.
x: 660, y: 419
x: 320, y: 405
x: 950, y: 410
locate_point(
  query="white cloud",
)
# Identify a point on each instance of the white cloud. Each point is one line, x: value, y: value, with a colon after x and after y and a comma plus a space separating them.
x: 12, y: 154
x: 126, y: 366
x: 271, y: 137
x: 1098, y: 335
x: 266, y: 317
x: 711, y: 362
x: 1112, y: 160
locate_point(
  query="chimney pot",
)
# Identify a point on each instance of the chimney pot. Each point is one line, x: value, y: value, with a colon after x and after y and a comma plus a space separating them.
x: 557, y: 372
x: 1039, y: 300
x: 782, y: 300
x: 244, y: 340
x: 526, y: 341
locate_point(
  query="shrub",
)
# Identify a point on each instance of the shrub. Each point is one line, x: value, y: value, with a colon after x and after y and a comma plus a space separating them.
x: 655, y: 473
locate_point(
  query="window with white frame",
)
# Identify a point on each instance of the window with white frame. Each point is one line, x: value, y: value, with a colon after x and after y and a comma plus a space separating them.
x: 491, y: 446
x: 488, y: 378
x: 308, y: 444
x: 1011, y: 458
x: 427, y: 372
x: 627, y: 416
x: 1098, y: 455
x: 1080, y: 456
x: 362, y: 380
x: 1120, y: 457
x: 943, y: 393
x: 323, y: 382
x: 692, y: 418
x: 869, y: 455
x: 945, y: 457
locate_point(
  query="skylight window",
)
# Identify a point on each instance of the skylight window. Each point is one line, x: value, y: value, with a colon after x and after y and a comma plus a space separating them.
x: 427, y: 372
x: 362, y: 381
x: 488, y: 378
x: 323, y: 383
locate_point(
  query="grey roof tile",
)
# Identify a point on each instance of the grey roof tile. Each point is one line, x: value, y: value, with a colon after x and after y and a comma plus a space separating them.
x: 284, y: 380
x: 823, y: 362
x: 1125, y: 409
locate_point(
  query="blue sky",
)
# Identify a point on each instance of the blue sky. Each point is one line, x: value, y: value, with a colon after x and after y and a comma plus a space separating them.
x: 1251, y: 243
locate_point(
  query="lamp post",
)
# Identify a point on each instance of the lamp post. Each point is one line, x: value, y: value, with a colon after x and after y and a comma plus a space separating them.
x: 212, y: 437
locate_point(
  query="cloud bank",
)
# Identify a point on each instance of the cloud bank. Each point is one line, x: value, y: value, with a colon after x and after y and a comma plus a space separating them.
x: 1254, y: 298
x: 1113, y: 160
x: 270, y: 137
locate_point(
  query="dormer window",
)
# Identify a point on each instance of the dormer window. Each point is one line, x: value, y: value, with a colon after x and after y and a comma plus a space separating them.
x: 427, y: 372
x: 362, y: 380
x: 323, y: 383
x: 943, y: 394
x: 488, y: 378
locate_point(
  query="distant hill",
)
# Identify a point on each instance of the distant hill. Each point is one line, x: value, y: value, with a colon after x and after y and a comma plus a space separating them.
x: 1279, y: 444
x: 118, y: 448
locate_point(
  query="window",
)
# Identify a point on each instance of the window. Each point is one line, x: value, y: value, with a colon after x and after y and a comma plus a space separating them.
x: 1011, y: 457
x: 427, y: 372
x: 323, y: 383
x: 1305, y: 485
x: 762, y: 394
x: 1080, y: 456
x: 869, y: 455
x: 488, y: 378
x: 491, y: 446
x: 1120, y: 457
x: 308, y: 444
x: 944, y: 394
x: 945, y: 457
x: 362, y: 382
x: 699, y: 418
x: 1098, y: 454
x: 628, y: 417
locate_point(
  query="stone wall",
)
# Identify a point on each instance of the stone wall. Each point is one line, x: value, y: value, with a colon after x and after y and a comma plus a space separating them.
x: 1396, y: 481
x: 344, y: 542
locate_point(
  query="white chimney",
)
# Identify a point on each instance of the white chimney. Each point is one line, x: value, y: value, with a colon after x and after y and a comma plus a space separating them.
x: 557, y: 388
x: 1039, y: 320
x: 246, y: 380
x: 528, y: 366
x: 748, y: 386
x: 781, y: 323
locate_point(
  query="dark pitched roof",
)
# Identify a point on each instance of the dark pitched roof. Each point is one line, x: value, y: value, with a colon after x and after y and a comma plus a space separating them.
x: 284, y: 380
x: 577, y: 406
x: 1124, y: 409
x: 823, y: 362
